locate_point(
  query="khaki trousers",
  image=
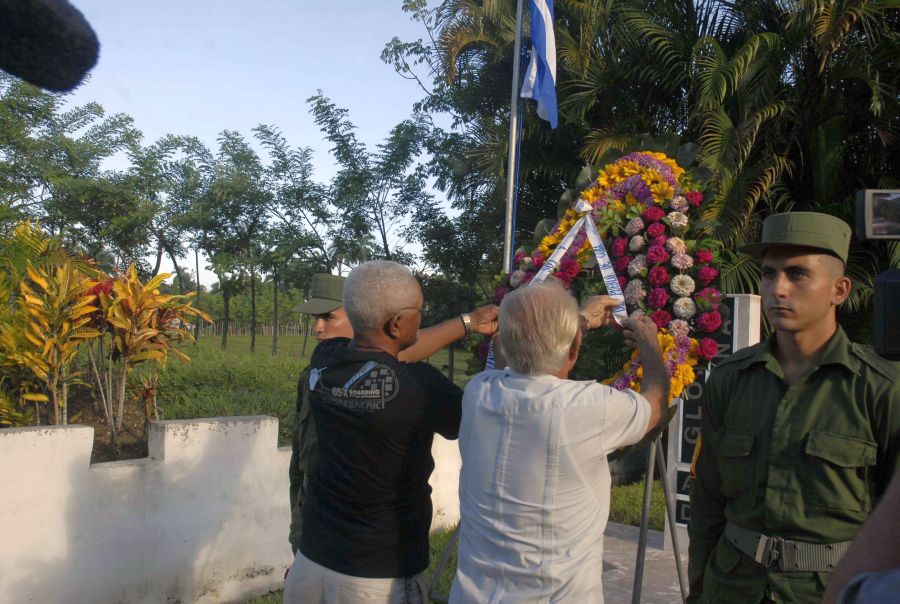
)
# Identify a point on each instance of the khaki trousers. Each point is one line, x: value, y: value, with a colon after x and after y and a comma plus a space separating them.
x: 311, y: 583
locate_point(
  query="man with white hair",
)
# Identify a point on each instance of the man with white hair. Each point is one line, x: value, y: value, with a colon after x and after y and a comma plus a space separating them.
x: 368, y: 511
x: 535, y: 484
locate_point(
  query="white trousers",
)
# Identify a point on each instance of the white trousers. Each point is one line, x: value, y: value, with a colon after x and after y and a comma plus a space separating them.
x: 311, y: 583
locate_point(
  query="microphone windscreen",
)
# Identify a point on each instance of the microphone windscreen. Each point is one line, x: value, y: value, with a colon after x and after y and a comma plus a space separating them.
x: 47, y: 43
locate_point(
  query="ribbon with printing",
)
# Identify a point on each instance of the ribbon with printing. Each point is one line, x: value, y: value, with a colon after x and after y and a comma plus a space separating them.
x: 603, y: 263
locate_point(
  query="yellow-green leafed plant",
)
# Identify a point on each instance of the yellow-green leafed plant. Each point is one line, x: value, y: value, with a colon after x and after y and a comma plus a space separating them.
x: 142, y: 327
x: 55, y: 310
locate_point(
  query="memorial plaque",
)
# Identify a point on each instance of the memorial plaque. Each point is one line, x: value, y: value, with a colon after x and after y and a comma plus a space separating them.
x: 682, y: 512
x: 683, y: 485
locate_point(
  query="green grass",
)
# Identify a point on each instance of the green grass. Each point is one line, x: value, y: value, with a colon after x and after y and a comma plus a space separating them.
x: 627, y: 501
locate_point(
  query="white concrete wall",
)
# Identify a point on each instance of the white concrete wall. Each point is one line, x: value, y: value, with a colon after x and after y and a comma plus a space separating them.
x: 203, y: 519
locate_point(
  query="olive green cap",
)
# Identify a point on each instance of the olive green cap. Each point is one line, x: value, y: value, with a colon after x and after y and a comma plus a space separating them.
x: 803, y: 229
x: 327, y: 295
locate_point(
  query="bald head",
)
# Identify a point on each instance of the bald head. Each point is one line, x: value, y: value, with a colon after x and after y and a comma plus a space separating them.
x: 538, y: 324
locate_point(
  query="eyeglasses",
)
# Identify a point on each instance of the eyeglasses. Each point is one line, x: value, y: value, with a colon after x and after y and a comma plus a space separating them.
x: 421, y: 311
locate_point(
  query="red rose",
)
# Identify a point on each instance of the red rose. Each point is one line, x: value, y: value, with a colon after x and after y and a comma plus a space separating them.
x: 704, y: 256
x: 621, y: 264
x: 709, y: 321
x: 708, y: 348
x: 519, y: 257
x: 657, y: 254
x: 656, y: 229
x: 654, y: 214
x: 620, y: 246
x: 695, y: 198
x: 658, y: 276
x: 661, y: 318
x: 623, y: 281
x: 527, y: 278
x: 662, y: 240
x: 706, y: 275
x: 657, y: 297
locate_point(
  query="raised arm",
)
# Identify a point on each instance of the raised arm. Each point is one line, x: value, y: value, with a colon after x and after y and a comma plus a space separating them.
x: 640, y: 332
x: 431, y: 339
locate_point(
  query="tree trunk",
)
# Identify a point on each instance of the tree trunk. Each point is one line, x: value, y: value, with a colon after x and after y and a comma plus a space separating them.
x: 305, y: 333
x: 159, y: 255
x: 252, y: 310
x: 65, y: 403
x: 197, y: 275
x: 274, y: 311
x: 54, y: 398
x: 123, y: 380
x: 226, y: 298
x: 171, y: 255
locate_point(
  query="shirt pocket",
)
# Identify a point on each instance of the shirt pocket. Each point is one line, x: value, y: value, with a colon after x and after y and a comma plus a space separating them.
x: 735, y: 463
x: 837, y: 472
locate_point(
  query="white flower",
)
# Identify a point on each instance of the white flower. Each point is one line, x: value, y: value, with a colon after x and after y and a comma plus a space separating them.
x: 515, y: 278
x: 679, y: 327
x: 684, y: 308
x: 637, y: 243
x: 682, y: 285
x: 634, y: 226
x: 635, y: 292
x: 527, y: 262
x: 677, y: 220
x: 682, y: 261
x: 637, y: 266
x: 676, y: 245
x: 679, y: 204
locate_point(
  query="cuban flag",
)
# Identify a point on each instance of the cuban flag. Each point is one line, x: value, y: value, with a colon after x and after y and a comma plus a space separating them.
x: 540, y: 78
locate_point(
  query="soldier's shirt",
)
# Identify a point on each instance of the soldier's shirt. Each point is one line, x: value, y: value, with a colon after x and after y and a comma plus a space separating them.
x: 806, y: 462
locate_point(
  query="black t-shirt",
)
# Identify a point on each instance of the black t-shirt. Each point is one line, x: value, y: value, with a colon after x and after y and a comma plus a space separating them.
x: 368, y: 506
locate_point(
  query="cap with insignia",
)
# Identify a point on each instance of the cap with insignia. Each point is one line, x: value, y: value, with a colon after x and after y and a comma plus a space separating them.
x: 327, y: 295
x: 803, y: 229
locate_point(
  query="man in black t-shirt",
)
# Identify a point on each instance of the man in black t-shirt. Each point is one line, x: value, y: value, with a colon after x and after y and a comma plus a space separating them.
x: 368, y: 507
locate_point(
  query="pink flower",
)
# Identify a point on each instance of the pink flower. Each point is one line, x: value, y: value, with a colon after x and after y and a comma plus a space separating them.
x: 708, y: 348
x: 661, y: 318
x: 709, y: 321
x: 704, y: 256
x: 621, y: 263
x: 661, y: 241
x: 708, y: 298
x: 527, y: 278
x: 657, y: 297
x: 658, y: 276
x: 706, y: 275
x: 519, y: 257
x: 654, y: 214
x: 695, y: 198
x: 679, y: 327
x: 619, y: 246
x: 657, y: 254
x: 623, y: 281
x: 656, y: 229
x: 682, y: 261
x: 499, y: 293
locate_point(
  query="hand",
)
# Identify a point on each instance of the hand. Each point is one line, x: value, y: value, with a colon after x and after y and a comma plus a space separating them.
x: 597, y: 311
x: 640, y: 332
x: 485, y: 319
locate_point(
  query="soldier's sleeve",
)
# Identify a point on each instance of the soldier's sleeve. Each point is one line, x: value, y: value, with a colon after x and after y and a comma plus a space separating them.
x: 295, y: 471
x: 707, y: 519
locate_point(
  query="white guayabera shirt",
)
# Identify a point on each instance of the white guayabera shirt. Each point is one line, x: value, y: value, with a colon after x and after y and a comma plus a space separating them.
x: 534, y: 488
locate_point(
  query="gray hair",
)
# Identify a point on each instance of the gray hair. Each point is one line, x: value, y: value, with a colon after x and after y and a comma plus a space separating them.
x: 375, y: 290
x: 537, y: 326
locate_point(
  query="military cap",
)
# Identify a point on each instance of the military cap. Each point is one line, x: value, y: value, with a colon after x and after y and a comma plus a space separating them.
x: 327, y: 295
x: 803, y: 229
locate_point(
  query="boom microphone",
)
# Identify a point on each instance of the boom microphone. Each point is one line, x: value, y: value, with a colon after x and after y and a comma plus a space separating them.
x: 47, y: 43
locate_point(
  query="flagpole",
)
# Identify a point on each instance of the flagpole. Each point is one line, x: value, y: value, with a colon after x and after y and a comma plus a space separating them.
x: 508, y: 226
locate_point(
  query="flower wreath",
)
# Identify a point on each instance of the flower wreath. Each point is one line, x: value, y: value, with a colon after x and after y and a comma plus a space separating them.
x: 645, y: 207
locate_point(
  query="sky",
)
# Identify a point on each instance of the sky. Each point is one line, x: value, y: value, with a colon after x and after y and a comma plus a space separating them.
x: 197, y: 67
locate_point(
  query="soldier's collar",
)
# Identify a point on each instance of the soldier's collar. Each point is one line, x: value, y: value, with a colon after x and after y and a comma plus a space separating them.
x: 837, y: 352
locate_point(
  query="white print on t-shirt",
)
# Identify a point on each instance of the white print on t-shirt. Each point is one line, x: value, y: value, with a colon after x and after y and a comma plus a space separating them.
x: 368, y: 390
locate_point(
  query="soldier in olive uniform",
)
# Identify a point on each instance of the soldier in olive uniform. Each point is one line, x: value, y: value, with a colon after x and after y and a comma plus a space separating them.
x: 327, y: 306
x: 800, y: 432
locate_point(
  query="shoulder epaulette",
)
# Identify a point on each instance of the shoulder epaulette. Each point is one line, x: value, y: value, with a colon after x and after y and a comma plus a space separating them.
x: 740, y: 355
x: 884, y: 367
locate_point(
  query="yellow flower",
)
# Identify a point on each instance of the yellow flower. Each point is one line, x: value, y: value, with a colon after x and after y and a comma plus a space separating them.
x: 662, y: 191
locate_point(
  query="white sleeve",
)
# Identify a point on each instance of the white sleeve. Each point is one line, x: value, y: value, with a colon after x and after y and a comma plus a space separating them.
x: 627, y: 418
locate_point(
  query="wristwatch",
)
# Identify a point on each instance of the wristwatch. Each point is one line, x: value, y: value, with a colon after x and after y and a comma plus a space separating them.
x: 467, y: 322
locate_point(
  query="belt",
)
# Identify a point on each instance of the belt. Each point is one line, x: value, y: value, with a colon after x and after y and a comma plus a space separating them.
x: 786, y: 555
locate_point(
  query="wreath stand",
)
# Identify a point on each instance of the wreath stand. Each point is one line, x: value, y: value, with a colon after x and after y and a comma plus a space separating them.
x: 654, y: 455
